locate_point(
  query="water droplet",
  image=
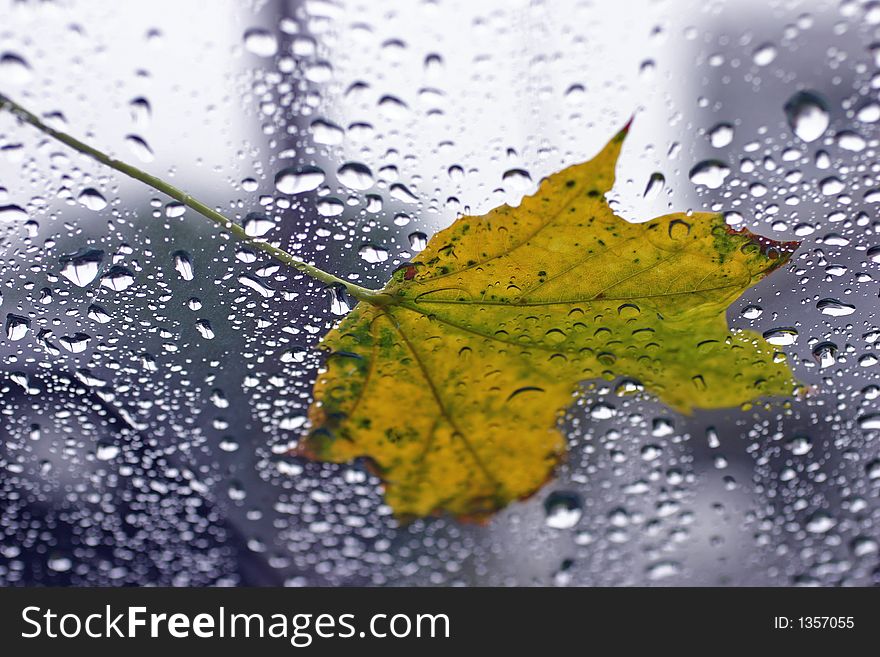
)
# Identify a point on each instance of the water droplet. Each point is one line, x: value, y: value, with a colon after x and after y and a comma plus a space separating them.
x: 825, y: 354
x: 820, y: 523
x: 117, y: 278
x: 517, y: 179
x: 869, y: 423
x: 655, y: 185
x: 752, y: 312
x: 260, y: 42
x: 831, y: 186
x: 106, y: 451
x: 869, y: 113
x: 338, y: 303
x: 14, y: 69
x: 92, y: 199
x: 835, y: 308
x: 17, y: 327
x: 324, y: 132
x: 372, y: 253
x: 807, y: 114
x: 721, y: 135
x: 253, y: 283
x: 330, y: 207
x: 257, y: 225
x: 140, y: 148
x: 781, y: 337
x: 710, y: 173
x: 355, y: 176
x: 76, y: 343
x: 418, y: 241
x: 401, y: 193
x: 183, y: 264
x: 82, y: 267
x: 203, y: 326
x: 800, y: 445
x: 141, y: 112
x: 12, y: 213
x: 764, y: 54
x: 562, y: 510
x: 98, y: 314
x: 851, y: 141
x: 294, y: 180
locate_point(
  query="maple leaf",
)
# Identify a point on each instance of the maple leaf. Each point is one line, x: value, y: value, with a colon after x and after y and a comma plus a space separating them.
x: 453, y: 383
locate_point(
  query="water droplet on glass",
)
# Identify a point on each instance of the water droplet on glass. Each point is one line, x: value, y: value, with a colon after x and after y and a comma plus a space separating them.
x: 140, y: 148
x: 372, y: 253
x: 710, y: 173
x: 338, y: 303
x: 92, y: 199
x: 141, y: 112
x: 655, y: 185
x: 12, y: 213
x: 781, y: 337
x: 835, y: 308
x: 330, y: 207
x: 355, y: 176
x: 517, y: 179
x: 401, y: 193
x: 871, y: 422
x: 253, y: 283
x: 807, y: 115
x: 721, y: 135
x: 203, y: 326
x: 257, y: 225
x: 752, y: 312
x: 76, y: 343
x: 562, y: 510
x: 82, y: 267
x: 764, y: 54
x: 294, y: 180
x: 324, y: 132
x: 16, y: 327
x: 14, y: 70
x: 183, y: 264
x: 825, y: 354
x: 260, y: 42
x: 117, y: 278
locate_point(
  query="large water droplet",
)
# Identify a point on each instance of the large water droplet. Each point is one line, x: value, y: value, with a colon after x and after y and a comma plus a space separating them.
x: 92, y: 199
x: 355, y: 176
x: 17, y: 327
x: 183, y: 264
x: 710, y: 173
x: 260, y: 42
x: 807, y: 115
x: 781, y: 337
x: 82, y: 267
x: 257, y: 225
x: 835, y: 308
x: 562, y: 509
x: 294, y: 180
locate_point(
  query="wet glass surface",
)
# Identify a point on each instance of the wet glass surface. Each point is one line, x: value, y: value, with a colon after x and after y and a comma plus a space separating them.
x: 155, y: 373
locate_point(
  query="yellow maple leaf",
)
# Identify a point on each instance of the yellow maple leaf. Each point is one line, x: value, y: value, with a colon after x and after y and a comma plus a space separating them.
x: 453, y: 382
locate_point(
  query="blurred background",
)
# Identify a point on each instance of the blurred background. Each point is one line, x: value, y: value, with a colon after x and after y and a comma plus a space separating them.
x: 155, y: 373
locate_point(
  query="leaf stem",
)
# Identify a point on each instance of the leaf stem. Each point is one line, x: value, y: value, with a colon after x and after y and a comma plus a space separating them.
x: 227, y: 224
